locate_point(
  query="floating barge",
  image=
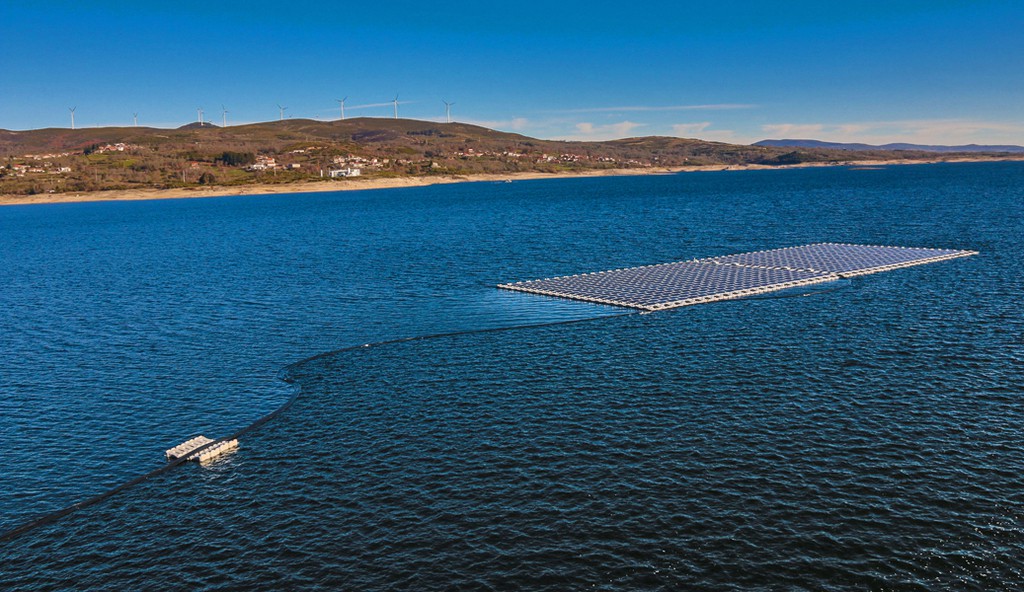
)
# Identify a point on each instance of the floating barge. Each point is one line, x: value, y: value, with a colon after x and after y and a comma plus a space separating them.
x: 200, y: 449
x: 684, y: 283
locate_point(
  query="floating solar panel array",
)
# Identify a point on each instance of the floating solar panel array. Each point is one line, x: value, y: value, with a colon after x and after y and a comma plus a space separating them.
x: 670, y: 285
x: 842, y: 259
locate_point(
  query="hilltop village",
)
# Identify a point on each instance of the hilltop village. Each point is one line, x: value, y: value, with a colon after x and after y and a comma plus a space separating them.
x: 59, y: 161
x: 160, y: 161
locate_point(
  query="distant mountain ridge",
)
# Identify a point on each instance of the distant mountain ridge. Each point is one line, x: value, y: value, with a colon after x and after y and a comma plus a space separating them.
x: 897, y: 146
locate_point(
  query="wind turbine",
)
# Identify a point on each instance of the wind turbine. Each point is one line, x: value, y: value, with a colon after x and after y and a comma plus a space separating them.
x: 223, y: 116
x: 282, y: 111
x: 199, y: 110
x: 72, y: 110
x: 135, y: 119
x: 342, y: 103
x: 448, y: 110
x: 396, y: 106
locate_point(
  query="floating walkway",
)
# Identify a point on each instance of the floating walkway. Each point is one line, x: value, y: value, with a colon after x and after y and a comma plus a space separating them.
x: 199, y: 449
x: 671, y: 285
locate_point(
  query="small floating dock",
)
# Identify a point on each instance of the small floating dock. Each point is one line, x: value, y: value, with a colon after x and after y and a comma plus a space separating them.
x: 187, y: 447
x: 684, y: 283
x: 199, y: 449
x: 216, y: 450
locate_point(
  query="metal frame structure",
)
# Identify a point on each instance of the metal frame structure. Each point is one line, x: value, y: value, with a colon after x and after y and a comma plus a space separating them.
x: 684, y: 283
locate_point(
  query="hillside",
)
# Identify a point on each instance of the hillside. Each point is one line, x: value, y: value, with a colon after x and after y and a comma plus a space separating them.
x: 92, y: 159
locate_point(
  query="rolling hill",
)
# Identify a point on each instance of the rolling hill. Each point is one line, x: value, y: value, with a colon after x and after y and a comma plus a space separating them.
x: 57, y: 160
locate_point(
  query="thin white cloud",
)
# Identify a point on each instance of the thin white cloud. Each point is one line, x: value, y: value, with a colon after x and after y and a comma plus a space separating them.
x: 515, y: 124
x: 727, y: 136
x: 656, y: 108
x: 586, y: 131
x: 703, y: 131
x: 853, y: 128
x: 373, y: 105
x: 914, y: 131
x: 624, y: 127
x: 690, y: 130
x: 794, y: 130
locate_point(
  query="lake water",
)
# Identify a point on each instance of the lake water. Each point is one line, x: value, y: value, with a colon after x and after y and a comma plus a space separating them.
x: 864, y: 436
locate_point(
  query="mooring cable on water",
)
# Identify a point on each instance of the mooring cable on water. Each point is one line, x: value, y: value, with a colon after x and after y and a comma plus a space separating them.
x: 286, y: 376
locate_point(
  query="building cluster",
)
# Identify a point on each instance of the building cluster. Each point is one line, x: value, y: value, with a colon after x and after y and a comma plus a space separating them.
x: 22, y: 169
x: 321, y: 160
x: 473, y: 153
x: 352, y: 166
x: 359, y: 163
x: 269, y: 163
x: 46, y: 156
x: 119, y: 147
x: 543, y: 158
x: 263, y: 163
x: 352, y: 161
x: 567, y: 157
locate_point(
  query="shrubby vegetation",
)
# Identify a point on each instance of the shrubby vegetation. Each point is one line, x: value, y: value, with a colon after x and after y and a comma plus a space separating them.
x: 229, y: 158
x: 56, y: 160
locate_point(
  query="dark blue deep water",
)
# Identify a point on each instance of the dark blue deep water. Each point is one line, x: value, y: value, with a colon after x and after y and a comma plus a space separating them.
x: 864, y: 436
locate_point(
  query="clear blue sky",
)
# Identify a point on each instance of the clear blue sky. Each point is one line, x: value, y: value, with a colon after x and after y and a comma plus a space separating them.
x: 933, y: 71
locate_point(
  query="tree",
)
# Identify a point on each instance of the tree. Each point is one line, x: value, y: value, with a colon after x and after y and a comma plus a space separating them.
x: 237, y: 158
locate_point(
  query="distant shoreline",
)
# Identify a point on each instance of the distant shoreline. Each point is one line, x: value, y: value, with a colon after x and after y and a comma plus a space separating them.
x: 368, y: 183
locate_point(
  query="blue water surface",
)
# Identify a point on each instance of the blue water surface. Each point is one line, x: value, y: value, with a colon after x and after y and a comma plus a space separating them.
x: 862, y: 437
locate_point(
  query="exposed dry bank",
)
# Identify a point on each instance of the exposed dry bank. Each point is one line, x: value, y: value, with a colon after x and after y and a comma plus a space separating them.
x: 367, y: 183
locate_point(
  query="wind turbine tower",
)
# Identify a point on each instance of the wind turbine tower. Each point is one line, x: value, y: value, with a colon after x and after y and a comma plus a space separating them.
x: 199, y: 110
x: 282, y: 109
x: 223, y: 116
x: 135, y: 119
x: 72, y: 110
x: 448, y: 110
x: 396, y: 106
x: 342, y: 103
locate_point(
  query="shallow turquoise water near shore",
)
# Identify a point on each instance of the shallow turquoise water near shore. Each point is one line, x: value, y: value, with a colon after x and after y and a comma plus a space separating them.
x: 865, y: 437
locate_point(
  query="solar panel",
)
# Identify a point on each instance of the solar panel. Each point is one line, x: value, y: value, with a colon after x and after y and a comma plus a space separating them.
x: 843, y: 259
x: 671, y: 285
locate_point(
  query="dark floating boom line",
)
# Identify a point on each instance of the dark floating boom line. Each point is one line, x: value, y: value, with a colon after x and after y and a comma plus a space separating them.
x: 652, y: 287
x: 683, y: 283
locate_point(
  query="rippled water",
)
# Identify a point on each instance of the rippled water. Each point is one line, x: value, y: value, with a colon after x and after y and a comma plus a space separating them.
x: 866, y: 437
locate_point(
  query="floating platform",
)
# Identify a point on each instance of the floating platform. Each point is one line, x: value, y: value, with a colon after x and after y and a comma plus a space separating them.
x: 214, y: 451
x: 843, y: 260
x: 684, y: 283
x: 188, y: 448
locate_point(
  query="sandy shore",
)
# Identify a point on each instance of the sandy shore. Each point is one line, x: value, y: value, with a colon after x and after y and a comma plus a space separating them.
x: 363, y: 183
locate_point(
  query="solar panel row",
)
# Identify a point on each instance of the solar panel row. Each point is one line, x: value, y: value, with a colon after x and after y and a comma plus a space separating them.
x: 842, y: 259
x: 670, y: 285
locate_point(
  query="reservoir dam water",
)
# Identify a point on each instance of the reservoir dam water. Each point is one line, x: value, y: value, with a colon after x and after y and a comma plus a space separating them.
x: 864, y: 435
